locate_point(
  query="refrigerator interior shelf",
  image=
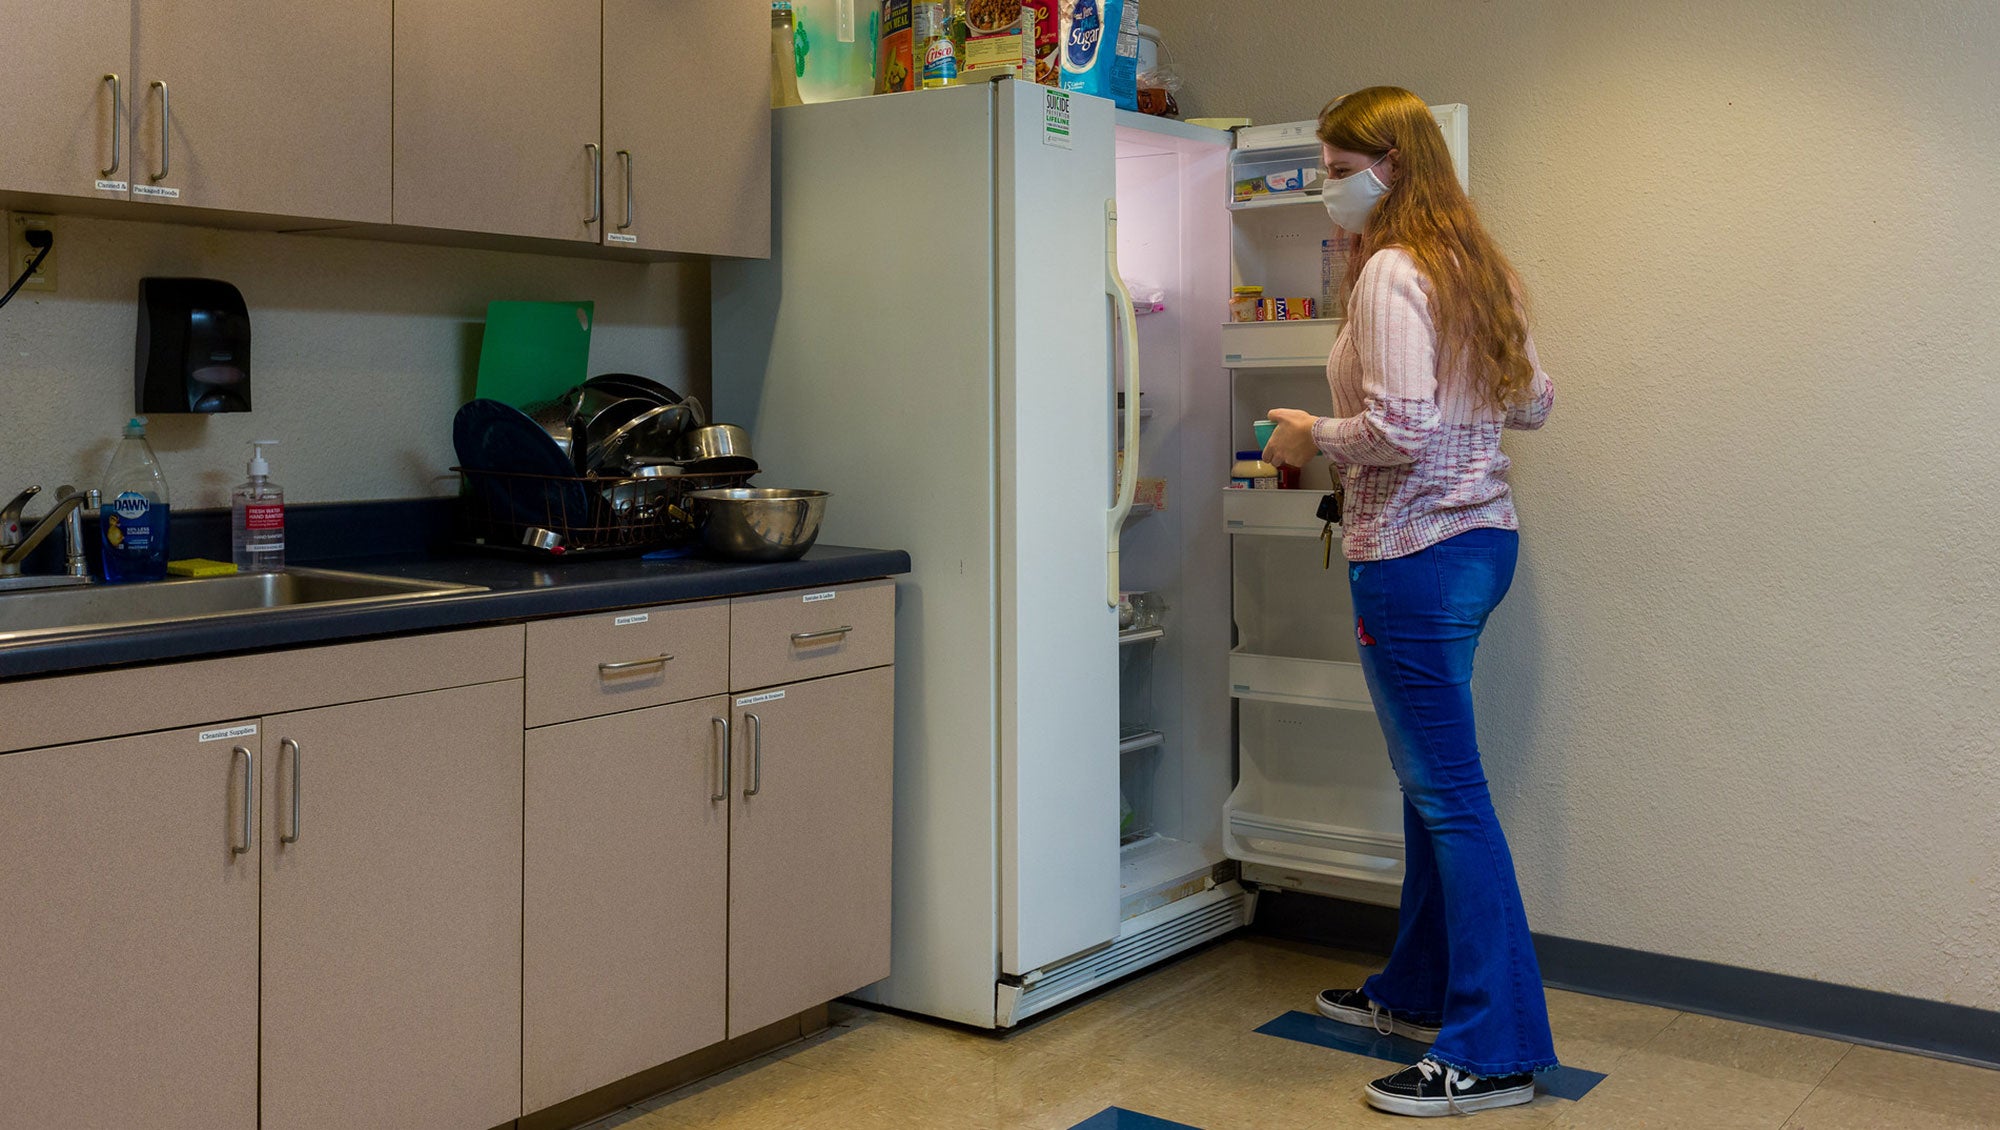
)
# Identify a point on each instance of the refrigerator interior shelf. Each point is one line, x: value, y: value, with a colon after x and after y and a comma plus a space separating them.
x: 1303, y: 343
x: 1140, y: 635
x: 1278, y: 513
x: 1275, y: 200
x: 1301, y: 682
x: 1141, y: 739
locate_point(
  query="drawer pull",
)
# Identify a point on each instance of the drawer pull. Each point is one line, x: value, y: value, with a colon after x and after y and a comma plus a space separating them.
x: 249, y: 798
x: 634, y: 664
x: 830, y: 634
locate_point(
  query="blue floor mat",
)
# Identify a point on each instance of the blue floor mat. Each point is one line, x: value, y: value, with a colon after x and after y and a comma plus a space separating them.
x: 1115, y: 1118
x: 1564, y: 1082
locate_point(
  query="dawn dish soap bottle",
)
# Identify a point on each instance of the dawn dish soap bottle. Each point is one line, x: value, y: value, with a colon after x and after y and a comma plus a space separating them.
x: 133, y: 520
x: 257, y: 517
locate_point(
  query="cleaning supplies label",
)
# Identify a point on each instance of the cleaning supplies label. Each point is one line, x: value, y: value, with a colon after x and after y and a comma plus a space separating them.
x: 249, y: 731
x: 265, y: 517
x: 132, y: 522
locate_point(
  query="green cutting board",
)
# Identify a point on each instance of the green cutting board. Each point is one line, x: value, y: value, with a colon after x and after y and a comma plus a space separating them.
x: 533, y: 352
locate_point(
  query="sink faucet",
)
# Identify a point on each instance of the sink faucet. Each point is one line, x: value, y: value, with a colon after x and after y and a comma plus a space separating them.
x: 67, y: 513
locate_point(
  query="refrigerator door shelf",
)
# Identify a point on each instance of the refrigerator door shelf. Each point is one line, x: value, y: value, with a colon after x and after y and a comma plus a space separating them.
x: 1278, y: 513
x: 1323, y: 683
x: 1305, y: 343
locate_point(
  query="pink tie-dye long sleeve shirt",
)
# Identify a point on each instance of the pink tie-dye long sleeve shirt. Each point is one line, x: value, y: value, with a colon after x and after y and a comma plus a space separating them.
x: 1419, y: 454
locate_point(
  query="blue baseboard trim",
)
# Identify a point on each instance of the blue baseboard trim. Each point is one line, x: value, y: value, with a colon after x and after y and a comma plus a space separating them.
x: 1769, y: 1000
x: 1773, y: 1000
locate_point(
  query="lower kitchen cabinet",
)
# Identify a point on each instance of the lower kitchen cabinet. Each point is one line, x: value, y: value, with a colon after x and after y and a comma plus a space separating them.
x: 626, y: 896
x: 391, y: 837
x: 809, y: 841
x: 128, y: 933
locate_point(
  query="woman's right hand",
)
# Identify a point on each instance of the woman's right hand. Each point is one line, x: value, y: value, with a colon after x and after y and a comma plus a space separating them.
x: 1292, y: 443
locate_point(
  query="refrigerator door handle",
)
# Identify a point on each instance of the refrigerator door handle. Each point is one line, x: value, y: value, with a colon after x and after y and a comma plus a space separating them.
x: 1127, y: 322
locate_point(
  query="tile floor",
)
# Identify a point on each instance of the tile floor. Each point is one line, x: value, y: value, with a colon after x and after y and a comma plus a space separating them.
x: 1178, y: 1044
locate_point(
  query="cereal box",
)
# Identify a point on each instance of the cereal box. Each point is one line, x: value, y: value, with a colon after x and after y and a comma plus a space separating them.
x: 1048, y: 39
x: 1000, y: 38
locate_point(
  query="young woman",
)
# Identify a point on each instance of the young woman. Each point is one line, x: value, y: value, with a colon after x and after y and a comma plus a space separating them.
x: 1434, y: 361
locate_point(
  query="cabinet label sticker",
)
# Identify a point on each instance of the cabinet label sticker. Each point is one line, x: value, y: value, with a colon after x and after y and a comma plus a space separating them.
x: 620, y: 237
x: 249, y: 731
x: 635, y: 618
x: 759, y: 699
x: 111, y: 186
x: 815, y: 598
x: 159, y: 190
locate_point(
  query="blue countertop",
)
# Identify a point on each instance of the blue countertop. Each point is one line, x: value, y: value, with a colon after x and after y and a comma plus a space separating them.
x: 515, y: 590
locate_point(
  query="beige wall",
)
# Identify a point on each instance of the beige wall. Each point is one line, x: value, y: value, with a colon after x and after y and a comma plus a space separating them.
x: 1743, y: 703
x: 361, y: 352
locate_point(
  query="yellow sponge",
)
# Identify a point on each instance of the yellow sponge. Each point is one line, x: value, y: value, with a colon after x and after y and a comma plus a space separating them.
x: 200, y: 567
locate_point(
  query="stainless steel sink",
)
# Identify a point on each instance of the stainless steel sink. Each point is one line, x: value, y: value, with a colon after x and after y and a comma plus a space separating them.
x: 80, y: 610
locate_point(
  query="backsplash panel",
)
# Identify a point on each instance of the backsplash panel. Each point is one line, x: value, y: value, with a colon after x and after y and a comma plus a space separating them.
x: 361, y: 352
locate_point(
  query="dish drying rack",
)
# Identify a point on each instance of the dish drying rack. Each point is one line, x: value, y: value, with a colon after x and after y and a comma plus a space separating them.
x: 594, y: 515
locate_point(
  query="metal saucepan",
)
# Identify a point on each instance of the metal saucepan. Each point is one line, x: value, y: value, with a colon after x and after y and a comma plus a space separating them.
x: 715, y: 440
x: 746, y: 524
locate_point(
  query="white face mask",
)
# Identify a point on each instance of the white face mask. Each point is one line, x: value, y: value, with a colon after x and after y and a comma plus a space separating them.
x: 1351, y: 199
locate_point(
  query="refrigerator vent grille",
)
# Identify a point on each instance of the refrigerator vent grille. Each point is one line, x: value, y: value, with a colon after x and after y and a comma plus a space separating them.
x: 1136, y: 951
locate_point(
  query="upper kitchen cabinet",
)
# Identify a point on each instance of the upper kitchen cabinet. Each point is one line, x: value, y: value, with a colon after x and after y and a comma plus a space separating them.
x: 66, y: 79
x: 687, y: 126
x: 497, y: 121
x: 276, y: 107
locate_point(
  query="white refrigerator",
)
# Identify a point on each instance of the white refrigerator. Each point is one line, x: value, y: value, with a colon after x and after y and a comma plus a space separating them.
x: 941, y: 340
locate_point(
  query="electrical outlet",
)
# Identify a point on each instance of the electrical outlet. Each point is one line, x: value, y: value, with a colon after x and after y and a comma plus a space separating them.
x: 19, y: 254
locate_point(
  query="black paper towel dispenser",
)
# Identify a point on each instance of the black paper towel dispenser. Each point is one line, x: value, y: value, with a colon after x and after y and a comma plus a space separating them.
x: 193, y: 350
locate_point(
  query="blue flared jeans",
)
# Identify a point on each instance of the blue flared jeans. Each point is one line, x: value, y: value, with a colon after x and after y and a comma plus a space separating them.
x: 1463, y: 955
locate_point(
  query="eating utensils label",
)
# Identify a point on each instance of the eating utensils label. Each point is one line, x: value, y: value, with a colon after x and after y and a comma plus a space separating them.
x: 815, y: 598
x: 759, y: 699
x: 636, y: 618
x: 249, y: 731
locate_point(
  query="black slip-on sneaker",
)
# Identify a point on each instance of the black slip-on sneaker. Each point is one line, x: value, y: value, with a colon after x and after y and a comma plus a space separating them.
x: 1429, y: 1089
x: 1352, y: 1006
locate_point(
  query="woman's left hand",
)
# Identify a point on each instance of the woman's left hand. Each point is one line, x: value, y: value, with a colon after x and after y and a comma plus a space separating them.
x: 1292, y: 441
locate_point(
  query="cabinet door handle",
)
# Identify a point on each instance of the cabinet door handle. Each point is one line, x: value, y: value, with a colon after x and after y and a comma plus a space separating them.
x: 756, y: 755
x: 298, y: 755
x: 634, y: 664
x: 249, y: 794
x: 166, y: 131
x: 596, y: 182
x: 117, y: 129
x: 830, y: 634
x: 723, y: 745
x: 627, y: 154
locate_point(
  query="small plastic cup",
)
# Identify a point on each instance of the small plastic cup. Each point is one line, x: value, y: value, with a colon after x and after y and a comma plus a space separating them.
x: 1264, y: 428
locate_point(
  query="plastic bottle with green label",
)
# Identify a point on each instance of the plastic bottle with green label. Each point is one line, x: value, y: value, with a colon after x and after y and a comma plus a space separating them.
x: 133, y: 518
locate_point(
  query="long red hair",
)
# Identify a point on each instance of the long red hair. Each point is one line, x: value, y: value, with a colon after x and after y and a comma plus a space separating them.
x: 1477, y: 303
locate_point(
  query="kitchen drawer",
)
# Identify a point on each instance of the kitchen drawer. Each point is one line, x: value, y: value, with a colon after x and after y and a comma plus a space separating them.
x: 809, y: 633
x: 584, y: 666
